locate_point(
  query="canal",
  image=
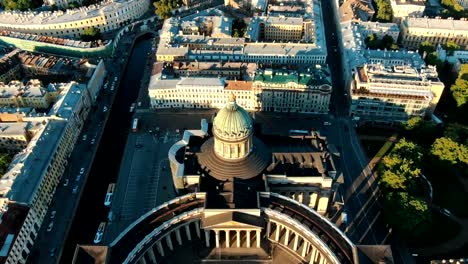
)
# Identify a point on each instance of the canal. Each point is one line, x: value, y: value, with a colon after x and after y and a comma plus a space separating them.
x: 91, y: 210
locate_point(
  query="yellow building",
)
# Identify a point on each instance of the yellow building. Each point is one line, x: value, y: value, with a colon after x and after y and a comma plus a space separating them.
x: 414, y: 31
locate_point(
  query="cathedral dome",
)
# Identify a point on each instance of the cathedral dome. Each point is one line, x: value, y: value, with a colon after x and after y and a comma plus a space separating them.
x: 232, y: 122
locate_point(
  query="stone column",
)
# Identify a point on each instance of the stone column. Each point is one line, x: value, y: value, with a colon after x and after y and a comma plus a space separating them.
x: 314, y: 253
x: 238, y: 238
x: 278, y: 228
x: 296, y: 240
x: 268, y: 229
x: 286, y: 239
x: 304, y: 249
x: 227, y: 238
x: 258, y: 238
x: 177, y: 234
x: 248, y: 238
x: 142, y: 260
x: 151, y: 255
x: 300, y: 197
x: 160, y: 248
x: 217, y: 238
x: 187, y: 231
x: 322, y: 259
x: 207, y: 238
x: 169, y: 241
x: 197, y: 229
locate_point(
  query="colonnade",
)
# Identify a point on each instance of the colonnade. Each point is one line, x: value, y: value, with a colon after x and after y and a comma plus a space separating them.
x: 234, y: 237
x: 292, y: 240
x: 315, y: 200
x: 165, y: 243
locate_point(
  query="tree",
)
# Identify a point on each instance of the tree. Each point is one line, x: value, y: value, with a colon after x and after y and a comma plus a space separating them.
x: 457, y: 132
x: 387, y: 42
x: 91, y: 34
x: 420, y: 130
x: 408, y: 150
x: 447, y: 150
x: 5, y: 161
x: 426, y: 47
x: 384, y: 11
x: 22, y: 5
x: 164, y: 8
x: 451, y: 46
x: 460, y: 88
x: 392, y: 182
x: 405, y: 212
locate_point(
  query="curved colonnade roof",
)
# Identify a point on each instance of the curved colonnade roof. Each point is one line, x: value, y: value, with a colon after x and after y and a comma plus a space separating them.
x: 133, y: 242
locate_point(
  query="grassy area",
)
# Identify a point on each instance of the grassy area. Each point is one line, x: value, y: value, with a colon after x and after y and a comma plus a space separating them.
x: 433, y: 233
x: 384, y: 149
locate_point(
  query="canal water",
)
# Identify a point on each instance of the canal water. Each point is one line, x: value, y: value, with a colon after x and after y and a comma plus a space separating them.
x: 91, y: 210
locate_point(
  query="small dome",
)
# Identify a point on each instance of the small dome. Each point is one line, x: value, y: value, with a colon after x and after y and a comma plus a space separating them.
x: 232, y: 122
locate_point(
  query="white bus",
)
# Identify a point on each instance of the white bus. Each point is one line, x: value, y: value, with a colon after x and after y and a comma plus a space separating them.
x: 135, y: 125
x: 109, y: 194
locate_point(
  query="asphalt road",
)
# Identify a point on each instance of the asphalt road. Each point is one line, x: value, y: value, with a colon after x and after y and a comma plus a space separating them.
x: 48, y: 245
x: 362, y: 207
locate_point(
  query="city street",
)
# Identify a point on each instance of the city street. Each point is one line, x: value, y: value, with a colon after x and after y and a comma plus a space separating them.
x: 362, y: 206
x: 50, y: 241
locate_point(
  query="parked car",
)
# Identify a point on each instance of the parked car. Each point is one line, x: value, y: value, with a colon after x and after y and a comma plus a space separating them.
x: 52, y: 214
x: 75, y: 190
x: 81, y: 170
x: 52, y: 251
x: 100, y: 233
x: 66, y: 182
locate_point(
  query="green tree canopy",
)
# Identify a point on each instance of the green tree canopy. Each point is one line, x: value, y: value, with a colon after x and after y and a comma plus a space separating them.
x: 384, y: 11
x: 22, y: 5
x: 445, y: 149
x: 427, y: 47
x: 451, y: 46
x: 5, y: 160
x: 405, y: 212
x: 457, y: 132
x: 390, y: 181
x: 420, y: 130
x: 91, y: 34
x: 164, y: 7
x: 460, y: 88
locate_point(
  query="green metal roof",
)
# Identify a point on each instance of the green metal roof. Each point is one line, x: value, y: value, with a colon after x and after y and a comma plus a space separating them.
x: 233, y: 121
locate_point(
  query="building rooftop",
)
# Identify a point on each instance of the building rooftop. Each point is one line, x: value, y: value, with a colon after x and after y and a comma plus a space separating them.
x: 27, y: 168
x: 67, y: 101
x: 56, y: 17
x: 52, y: 40
x: 410, y: 2
x: 13, y: 129
x: 12, y: 216
x: 436, y: 23
x: 314, y: 77
x: 9, y: 60
x: 357, y: 10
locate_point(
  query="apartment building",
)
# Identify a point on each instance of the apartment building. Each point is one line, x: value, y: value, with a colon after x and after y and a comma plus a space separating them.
x: 407, y: 8
x: 463, y: 3
x: 379, y: 29
x: 107, y: 16
x: 309, y: 48
x: 270, y: 90
x: 10, y: 66
x: 392, y: 94
x: 14, y: 137
x: 414, y: 31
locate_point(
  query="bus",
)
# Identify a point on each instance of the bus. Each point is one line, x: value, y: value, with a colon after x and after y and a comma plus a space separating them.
x: 135, y: 125
x: 294, y: 132
x: 109, y: 194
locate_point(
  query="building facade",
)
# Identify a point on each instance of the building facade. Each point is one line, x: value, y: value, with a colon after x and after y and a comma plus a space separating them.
x: 414, y: 31
x: 392, y: 94
x: 278, y: 91
x: 107, y: 16
x: 407, y: 8
x: 380, y: 29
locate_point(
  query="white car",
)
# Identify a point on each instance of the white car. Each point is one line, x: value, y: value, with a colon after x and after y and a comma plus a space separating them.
x: 100, y: 232
x: 75, y: 189
x: 52, y: 214
x: 66, y: 182
x: 84, y: 137
x: 78, y: 177
x: 81, y: 170
x: 326, y: 123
